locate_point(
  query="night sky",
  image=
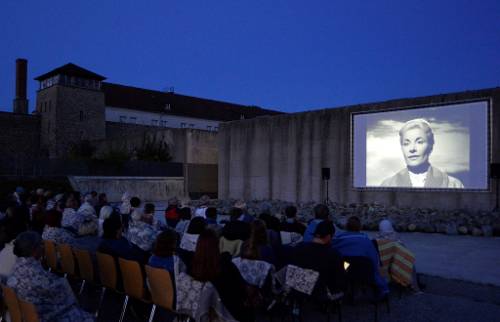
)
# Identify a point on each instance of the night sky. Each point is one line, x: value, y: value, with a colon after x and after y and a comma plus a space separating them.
x: 285, y: 55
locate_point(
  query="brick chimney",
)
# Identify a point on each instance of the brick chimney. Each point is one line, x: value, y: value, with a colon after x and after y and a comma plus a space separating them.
x: 20, y: 101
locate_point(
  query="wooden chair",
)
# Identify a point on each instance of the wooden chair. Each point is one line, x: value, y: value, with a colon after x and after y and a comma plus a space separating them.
x: 85, y: 267
x: 28, y: 311
x: 67, y: 260
x: 12, y: 302
x: 50, y: 255
x: 133, y: 282
x: 161, y: 288
x: 108, y: 275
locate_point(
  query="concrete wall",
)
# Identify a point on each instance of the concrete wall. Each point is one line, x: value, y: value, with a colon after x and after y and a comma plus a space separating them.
x: 281, y: 157
x: 146, y: 188
x: 19, y: 142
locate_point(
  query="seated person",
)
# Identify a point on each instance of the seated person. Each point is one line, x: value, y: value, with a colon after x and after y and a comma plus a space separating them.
x: 52, y: 295
x: 257, y: 246
x: 318, y: 255
x: 209, y: 265
x: 354, y: 243
x: 291, y: 224
x: 211, y: 216
x: 164, y: 251
x: 321, y: 212
x: 8, y: 233
x: 172, y: 212
x: 235, y: 228
x: 53, y: 230
x: 114, y: 244
x: 185, y: 219
x: 142, y: 231
x: 190, y: 239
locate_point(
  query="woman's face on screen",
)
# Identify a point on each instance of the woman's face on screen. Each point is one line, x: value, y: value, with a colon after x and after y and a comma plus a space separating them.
x: 415, y: 146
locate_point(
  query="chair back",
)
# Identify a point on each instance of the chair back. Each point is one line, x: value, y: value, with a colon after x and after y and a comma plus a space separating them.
x: 28, y: 311
x: 12, y: 302
x: 233, y: 247
x: 133, y: 282
x: 301, y: 279
x: 161, y: 287
x: 67, y: 259
x: 85, y: 265
x: 50, y: 254
x: 360, y: 270
x: 107, y: 270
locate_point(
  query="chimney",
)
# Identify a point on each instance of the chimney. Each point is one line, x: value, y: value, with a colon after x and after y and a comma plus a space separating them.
x: 20, y: 101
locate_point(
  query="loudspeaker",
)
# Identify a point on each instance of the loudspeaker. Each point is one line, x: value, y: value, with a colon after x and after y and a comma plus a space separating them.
x: 495, y: 170
x: 325, y: 173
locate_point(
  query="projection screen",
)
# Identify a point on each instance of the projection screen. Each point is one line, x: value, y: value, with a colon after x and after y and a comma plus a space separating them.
x: 433, y: 147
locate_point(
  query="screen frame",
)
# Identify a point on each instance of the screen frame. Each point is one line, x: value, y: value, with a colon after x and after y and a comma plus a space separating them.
x: 488, y: 100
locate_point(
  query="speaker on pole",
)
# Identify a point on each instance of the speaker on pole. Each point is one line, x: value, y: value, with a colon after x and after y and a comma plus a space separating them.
x: 495, y: 170
x: 325, y: 173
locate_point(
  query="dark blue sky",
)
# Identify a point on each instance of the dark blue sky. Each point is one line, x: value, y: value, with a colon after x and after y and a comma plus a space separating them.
x: 281, y: 54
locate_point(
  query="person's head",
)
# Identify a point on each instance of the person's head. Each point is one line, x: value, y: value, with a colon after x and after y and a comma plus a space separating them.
x: 417, y: 141
x: 271, y: 221
x: 385, y: 227
x: 211, y: 213
x: 353, y: 224
x: 88, y: 198
x: 197, y: 225
x: 173, y: 202
x: 149, y: 209
x: 324, y: 232
x: 102, y: 198
x: 28, y: 244
x: 321, y: 212
x: 93, y: 193
x: 135, y: 202
x: 105, y: 212
x: 165, y: 243
x: 206, y: 258
x: 235, y: 213
x: 290, y: 212
x: 185, y: 213
x: 53, y: 218
x: 112, y: 227
x: 71, y: 202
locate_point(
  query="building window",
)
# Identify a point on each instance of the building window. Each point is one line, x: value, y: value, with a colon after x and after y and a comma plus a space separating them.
x: 163, y: 123
x: 167, y: 107
x: 133, y: 119
x: 154, y: 122
x: 242, y: 117
x: 191, y: 125
x: 81, y: 116
x: 209, y: 128
x: 123, y: 118
x: 183, y: 125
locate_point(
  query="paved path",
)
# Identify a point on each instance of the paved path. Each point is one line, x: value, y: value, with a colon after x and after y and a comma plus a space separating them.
x: 467, y: 258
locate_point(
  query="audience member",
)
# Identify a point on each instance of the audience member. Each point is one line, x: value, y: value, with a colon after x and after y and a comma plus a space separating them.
x: 185, y: 219
x: 208, y: 265
x: 104, y: 213
x: 52, y: 295
x: 141, y: 231
x: 164, y: 251
x: 211, y: 216
x: 235, y: 228
x: 102, y: 200
x: 172, y: 213
x: 318, y: 255
x: 8, y: 233
x: 291, y: 224
x: 321, y: 213
x: 353, y: 243
x: 257, y: 246
x: 53, y: 230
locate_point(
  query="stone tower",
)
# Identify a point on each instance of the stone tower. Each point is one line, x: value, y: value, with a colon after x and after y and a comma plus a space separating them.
x: 71, y: 104
x: 20, y: 104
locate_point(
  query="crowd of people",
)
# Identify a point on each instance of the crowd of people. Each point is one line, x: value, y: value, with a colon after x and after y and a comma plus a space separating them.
x: 236, y: 255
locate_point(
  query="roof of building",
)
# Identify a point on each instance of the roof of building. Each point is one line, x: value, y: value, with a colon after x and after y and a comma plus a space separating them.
x: 71, y: 70
x: 172, y: 103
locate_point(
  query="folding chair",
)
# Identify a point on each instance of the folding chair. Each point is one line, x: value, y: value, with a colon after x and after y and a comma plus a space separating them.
x: 28, y: 311
x: 108, y: 275
x: 12, y: 302
x: 133, y: 283
x: 85, y: 267
x: 67, y: 260
x: 161, y: 289
x: 50, y: 255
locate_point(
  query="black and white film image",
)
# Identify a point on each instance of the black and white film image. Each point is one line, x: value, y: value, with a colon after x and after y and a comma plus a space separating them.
x: 443, y: 147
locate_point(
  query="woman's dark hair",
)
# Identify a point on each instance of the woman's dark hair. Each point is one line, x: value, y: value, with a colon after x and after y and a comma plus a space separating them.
x: 353, y: 224
x: 197, y: 226
x: 135, y: 202
x: 111, y: 226
x: 211, y: 213
x: 258, y: 238
x: 26, y: 243
x: 206, y: 258
x: 321, y: 212
x: 272, y: 222
x: 290, y: 211
x: 53, y: 218
x: 165, y: 243
x: 235, y: 213
x: 185, y: 213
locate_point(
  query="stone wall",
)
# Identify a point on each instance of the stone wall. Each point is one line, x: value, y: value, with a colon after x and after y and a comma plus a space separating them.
x: 19, y: 142
x: 281, y: 157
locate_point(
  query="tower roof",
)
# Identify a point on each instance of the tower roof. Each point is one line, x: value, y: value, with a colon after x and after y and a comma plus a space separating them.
x: 71, y: 69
